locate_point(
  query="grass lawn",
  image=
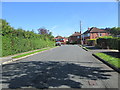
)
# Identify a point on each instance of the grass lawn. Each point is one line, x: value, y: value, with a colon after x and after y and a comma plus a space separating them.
x: 22, y: 55
x: 84, y: 47
x: 112, y: 60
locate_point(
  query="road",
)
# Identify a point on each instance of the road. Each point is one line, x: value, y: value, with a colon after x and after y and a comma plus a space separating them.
x: 68, y: 66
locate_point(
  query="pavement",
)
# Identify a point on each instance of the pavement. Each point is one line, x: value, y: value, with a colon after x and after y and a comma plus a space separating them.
x: 8, y: 59
x: 93, y: 49
x: 68, y: 66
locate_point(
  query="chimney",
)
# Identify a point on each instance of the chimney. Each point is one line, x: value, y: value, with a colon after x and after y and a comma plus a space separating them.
x: 88, y: 29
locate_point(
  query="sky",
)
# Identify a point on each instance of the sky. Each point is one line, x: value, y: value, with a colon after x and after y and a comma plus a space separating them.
x: 59, y: 0
x: 61, y: 18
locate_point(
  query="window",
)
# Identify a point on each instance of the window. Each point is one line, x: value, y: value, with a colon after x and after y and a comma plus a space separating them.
x: 88, y: 34
x: 78, y: 36
x: 62, y: 39
x: 99, y: 34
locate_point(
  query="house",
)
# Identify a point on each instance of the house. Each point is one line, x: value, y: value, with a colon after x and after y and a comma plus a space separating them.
x: 75, y: 38
x: 93, y: 33
x: 61, y: 39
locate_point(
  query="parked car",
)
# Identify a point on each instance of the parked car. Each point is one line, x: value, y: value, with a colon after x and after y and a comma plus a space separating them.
x: 58, y: 44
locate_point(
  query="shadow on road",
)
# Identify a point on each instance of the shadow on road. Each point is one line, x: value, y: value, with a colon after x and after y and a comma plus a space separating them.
x: 38, y: 74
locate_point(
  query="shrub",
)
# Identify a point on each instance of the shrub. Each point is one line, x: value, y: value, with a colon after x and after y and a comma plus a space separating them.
x: 103, y: 42
x: 91, y: 42
x: 106, y: 37
x: 115, y: 43
x: 109, y: 42
x: 18, y: 40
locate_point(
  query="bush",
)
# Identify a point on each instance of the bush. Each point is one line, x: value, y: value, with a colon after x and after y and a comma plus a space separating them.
x: 91, y: 42
x: 18, y: 40
x: 102, y: 42
x: 109, y: 42
x: 115, y: 43
x: 119, y: 44
x: 67, y: 42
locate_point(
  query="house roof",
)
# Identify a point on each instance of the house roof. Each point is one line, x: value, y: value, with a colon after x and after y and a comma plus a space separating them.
x: 60, y: 37
x: 86, y: 32
x: 76, y: 34
x: 95, y: 30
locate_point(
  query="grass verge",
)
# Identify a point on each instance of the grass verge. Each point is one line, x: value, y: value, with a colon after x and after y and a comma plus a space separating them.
x: 22, y: 55
x: 84, y: 47
x: 112, y: 60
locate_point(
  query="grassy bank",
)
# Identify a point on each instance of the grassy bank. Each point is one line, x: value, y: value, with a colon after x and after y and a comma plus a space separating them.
x: 110, y: 59
x: 22, y: 55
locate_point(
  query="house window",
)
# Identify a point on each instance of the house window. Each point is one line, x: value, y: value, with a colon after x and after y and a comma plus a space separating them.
x: 99, y: 34
x: 78, y: 36
x: 88, y: 34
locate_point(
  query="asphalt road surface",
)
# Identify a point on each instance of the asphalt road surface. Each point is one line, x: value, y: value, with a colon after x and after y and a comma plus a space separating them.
x: 68, y: 66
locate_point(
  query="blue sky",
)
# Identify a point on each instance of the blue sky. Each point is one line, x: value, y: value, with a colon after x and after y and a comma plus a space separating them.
x: 61, y: 18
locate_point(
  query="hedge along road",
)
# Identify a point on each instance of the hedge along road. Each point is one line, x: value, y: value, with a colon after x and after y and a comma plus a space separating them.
x: 68, y: 66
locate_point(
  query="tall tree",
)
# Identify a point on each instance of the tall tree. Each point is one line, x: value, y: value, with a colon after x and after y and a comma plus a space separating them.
x: 114, y: 31
x: 43, y: 31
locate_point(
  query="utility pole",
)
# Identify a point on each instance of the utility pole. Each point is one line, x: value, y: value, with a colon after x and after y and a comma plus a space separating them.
x: 80, y: 33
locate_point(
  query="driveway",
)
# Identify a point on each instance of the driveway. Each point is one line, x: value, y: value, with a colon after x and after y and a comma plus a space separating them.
x: 68, y: 66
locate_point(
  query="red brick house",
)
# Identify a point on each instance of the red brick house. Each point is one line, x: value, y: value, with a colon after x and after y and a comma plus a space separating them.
x: 75, y: 38
x: 93, y: 33
x: 61, y: 39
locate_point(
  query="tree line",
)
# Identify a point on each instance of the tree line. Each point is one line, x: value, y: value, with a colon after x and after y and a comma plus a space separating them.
x: 18, y: 40
x: 115, y: 31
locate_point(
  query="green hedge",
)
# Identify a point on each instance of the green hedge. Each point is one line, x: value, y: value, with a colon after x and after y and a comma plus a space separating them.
x: 103, y: 42
x: 91, y: 42
x: 18, y: 40
x: 109, y: 43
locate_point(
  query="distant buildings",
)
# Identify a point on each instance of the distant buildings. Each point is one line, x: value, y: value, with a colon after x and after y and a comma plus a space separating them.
x: 61, y: 39
x: 75, y: 38
x: 93, y: 33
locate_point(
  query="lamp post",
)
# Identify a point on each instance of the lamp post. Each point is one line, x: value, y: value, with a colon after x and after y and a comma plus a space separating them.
x: 81, y: 34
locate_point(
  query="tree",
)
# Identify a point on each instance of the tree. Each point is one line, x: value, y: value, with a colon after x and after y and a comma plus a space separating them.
x: 6, y: 28
x: 114, y: 31
x: 43, y: 31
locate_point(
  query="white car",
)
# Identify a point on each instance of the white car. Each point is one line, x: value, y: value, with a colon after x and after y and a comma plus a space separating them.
x: 58, y: 44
